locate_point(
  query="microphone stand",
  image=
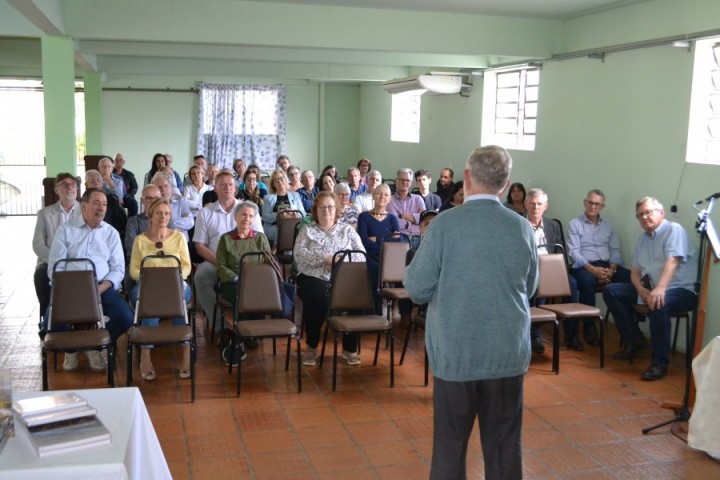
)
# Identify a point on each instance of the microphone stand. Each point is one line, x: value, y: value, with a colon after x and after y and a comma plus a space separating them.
x: 682, y: 414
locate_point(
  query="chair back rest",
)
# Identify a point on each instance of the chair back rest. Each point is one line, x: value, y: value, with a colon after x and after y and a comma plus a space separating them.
x: 161, y: 290
x: 74, y: 297
x: 349, y: 283
x: 553, y: 273
x: 392, y: 261
x: 259, y: 290
x: 286, y: 230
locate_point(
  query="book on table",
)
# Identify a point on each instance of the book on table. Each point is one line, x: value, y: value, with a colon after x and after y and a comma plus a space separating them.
x: 48, y: 404
x: 73, y: 435
x: 58, y: 418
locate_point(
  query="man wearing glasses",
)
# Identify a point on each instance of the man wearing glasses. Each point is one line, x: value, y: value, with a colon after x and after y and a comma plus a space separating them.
x: 49, y: 220
x: 594, y: 248
x: 406, y: 206
x: 663, y: 275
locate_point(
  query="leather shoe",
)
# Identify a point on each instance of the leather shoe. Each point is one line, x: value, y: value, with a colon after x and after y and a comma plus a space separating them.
x: 574, y: 344
x: 591, y: 336
x: 654, y: 372
x: 630, y: 350
x: 537, y: 345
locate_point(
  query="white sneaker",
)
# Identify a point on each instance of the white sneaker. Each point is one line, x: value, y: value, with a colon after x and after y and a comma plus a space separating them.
x: 310, y: 357
x: 351, y: 358
x: 70, y: 364
x: 96, y: 360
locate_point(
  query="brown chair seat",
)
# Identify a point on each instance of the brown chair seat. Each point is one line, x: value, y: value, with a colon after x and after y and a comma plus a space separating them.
x: 161, y: 335
x: 76, y: 340
x: 394, y: 294
x: 359, y: 323
x: 266, y: 328
x: 572, y: 310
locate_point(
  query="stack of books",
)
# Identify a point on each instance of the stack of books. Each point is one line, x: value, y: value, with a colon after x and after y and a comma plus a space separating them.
x: 61, y: 423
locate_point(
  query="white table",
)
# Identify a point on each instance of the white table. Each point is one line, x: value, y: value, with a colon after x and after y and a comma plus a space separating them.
x: 135, y: 451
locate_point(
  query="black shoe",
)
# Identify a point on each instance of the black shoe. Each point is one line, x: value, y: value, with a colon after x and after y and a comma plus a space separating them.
x: 238, y: 355
x: 537, y: 345
x: 251, y: 343
x: 630, y: 350
x: 591, y: 336
x: 654, y: 372
x: 574, y: 344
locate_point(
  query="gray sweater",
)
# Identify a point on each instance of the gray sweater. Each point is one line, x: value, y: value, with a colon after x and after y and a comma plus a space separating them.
x: 476, y: 267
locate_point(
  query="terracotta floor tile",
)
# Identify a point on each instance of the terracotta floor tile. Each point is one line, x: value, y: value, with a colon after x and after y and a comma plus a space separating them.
x: 337, y: 459
x: 255, y: 421
x: 404, y: 472
x: 206, y: 446
x: 586, y: 434
x: 282, y: 464
x: 269, y: 441
x: 616, y: 454
x: 174, y: 448
x: 543, y: 437
x: 195, y: 426
x: 179, y: 469
x: 228, y: 467
x: 564, y: 460
x: 361, y: 413
x: 410, y: 409
x: 421, y: 427
x: 323, y: 436
x: 356, y: 474
x: 391, y: 453
x: 374, y: 432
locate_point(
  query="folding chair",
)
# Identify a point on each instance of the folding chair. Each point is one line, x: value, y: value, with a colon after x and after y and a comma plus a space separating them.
x: 392, y: 274
x: 350, y: 309
x: 287, y: 231
x: 161, y: 296
x: 75, y: 307
x: 259, y: 297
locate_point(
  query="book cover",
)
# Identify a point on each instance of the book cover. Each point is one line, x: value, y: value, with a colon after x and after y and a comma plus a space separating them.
x: 58, y: 418
x: 48, y: 403
x: 75, y: 435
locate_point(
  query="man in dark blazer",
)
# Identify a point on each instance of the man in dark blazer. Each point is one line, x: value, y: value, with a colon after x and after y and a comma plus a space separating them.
x: 548, y: 232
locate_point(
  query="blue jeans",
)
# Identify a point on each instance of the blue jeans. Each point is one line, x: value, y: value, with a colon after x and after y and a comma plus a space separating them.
x: 115, y: 308
x: 586, y: 287
x: 620, y: 296
x: 153, y: 322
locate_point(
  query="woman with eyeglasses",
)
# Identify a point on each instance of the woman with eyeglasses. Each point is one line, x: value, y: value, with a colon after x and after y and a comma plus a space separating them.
x: 277, y: 201
x: 348, y: 212
x: 251, y: 190
x: 159, y: 239
x: 314, y: 249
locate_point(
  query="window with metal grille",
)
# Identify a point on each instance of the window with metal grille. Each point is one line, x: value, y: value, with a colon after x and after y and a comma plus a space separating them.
x: 405, y: 116
x: 703, y: 144
x: 510, y: 108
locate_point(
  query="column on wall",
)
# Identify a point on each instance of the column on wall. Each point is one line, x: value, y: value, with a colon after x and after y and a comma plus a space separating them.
x: 58, y: 67
x: 93, y: 114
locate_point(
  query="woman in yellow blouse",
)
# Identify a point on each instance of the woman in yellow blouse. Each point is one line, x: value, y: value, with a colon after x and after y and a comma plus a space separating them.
x: 159, y: 240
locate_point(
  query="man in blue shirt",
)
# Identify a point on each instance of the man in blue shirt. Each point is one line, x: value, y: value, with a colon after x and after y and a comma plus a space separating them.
x: 594, y: 248
x: 663, y: 275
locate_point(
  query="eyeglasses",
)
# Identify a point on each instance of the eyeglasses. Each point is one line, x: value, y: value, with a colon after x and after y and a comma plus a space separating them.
x: 404, y: 180
x: 326, y: 207
x: 646, y: 213
x: 159, y: 245
x: 151, y: 199
x: 67, y: 185
x: 593, y: 204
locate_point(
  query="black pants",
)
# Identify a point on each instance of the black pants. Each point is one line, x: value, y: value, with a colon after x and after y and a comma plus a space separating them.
x: 498, y: 405
x: 131, y: 204
x: 42, y: 286
x: 314, y: 294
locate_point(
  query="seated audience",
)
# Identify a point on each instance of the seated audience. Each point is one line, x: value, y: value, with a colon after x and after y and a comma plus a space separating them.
x: 278, y: 200
x: 198, y: 160
x: 239, y: 168
x: 181, y: 214
x: 456, y: 197
x: 159, y: 239
x: 353, y: 181
x: 445, y: 184
x: 594, y: 249
x: 516, y: 198
x: 112, y: 182
x: 131, y: 186
x: 423, y: 180
x: 663, y: 275
x: 327, y: 183
x: 88, y: 236
x: 329, y: 169
x: 48, y: 221
x: 364, y: 165
x: 348, y: 213
x: 308, y: 191
x: 212, y: 172
x: 293, y: 174
x: 314, y: 249
x: 365, y: 202
x: 406, y: 206
x: 283, y: 163
x: 195, y: 190
x: 177, y: 181
x: 137, y: 225
x: 251, y: 191
x: 114, y: 212
x: 158, y: 163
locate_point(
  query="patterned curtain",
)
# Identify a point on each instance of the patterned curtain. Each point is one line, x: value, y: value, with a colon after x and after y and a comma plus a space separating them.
x: 241, y: 121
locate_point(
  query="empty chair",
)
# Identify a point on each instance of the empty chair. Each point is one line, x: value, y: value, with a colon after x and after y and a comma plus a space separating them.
x: 75, y: 309
x: 161, y: 296
x: 392, y: 274
x: 350, y: 308
x: 539, y: 316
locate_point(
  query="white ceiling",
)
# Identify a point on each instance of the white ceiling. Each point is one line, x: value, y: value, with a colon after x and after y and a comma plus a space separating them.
x: 294, y: 40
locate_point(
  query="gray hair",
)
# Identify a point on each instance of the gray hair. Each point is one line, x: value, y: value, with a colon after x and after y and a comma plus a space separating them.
x: 596, y: 191
x: 352, y: 170
x: 382, y: 186
x: 246, y: 204
x: 92, y: 172
x: 490, y: 166
x: 374, y: 172
x: 654, y: 203
x: 161, y: 174
x: 342, y: 187
x: 536, y: 192
x: 404, y: 170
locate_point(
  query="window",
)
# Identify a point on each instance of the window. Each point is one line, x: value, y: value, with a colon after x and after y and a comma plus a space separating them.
x: 510, y: 104
x: 405, y: 122
x: 703, y: 144
x: 242, y: 121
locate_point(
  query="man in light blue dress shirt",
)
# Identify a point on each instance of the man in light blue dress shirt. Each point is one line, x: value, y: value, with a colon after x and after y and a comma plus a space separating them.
x: 594, y: 248
x: 663, y: 276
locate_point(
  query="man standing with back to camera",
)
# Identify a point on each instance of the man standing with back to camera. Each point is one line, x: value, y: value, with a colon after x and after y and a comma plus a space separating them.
x: 477, y: 283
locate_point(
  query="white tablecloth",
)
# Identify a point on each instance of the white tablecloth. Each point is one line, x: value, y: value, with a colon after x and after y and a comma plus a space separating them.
x: 704, y: 432
x: 135, y: 452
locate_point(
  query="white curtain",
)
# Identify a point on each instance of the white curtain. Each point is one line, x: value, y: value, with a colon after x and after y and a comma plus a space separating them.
x: 241, y: 121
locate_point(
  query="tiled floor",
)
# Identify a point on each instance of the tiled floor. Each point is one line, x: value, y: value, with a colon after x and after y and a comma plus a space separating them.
x: 584, y: 423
